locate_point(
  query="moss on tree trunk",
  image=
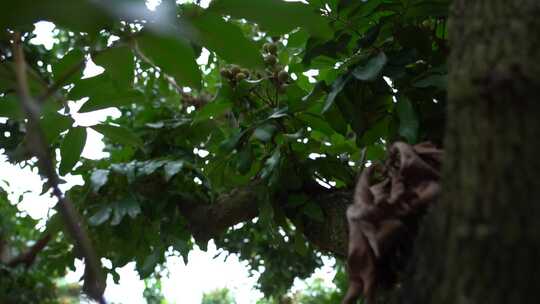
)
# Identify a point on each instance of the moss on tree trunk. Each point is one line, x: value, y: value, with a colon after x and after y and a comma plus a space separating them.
x: 482, y: 243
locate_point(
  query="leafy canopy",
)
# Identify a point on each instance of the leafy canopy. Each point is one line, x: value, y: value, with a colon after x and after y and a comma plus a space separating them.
x: 245, y: 114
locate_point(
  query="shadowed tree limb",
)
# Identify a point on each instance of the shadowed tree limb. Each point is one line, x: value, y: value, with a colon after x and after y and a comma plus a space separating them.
x: 29, y: 256
x: 209, y: 220
x: 94, y: 283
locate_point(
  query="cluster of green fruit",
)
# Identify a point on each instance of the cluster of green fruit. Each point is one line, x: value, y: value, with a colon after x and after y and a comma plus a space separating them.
x: 278, y: 75
x: 274, y: 71
x: 270, y: 52
x: 234, y: 73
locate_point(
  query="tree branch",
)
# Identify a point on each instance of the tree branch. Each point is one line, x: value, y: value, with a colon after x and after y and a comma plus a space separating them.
x: 53, y: 88
x: 28, y: 257
x: 94, y: 283
x: 62, y: 80
x: 207, y: 221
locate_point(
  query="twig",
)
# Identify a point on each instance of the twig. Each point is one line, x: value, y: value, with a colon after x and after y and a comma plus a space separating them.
x: 266, y: 101
x: 167, y: 77
x: 72, y: 70
x: 28, y: 257
x: 362, y: 160
x: 347, y: 24
x: 61, y: 82
x: 268, y: 95
x: 277, y: 96
x: 94, y: 283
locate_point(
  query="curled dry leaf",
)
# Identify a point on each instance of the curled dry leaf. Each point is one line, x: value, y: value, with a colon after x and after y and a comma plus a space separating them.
x: 384, y: 217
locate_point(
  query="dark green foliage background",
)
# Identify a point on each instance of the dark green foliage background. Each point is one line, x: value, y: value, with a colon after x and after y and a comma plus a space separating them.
x: 381, y: 78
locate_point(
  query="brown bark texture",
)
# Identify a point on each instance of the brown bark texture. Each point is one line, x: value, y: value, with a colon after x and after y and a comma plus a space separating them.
x: 481, y: 244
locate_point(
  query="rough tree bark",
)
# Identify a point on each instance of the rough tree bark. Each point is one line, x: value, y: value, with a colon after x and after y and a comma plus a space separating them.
x: 242, y: 204
x: 482, y: 243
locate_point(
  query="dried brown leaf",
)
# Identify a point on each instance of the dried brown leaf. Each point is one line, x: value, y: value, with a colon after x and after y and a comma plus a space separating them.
x: 381, y: 214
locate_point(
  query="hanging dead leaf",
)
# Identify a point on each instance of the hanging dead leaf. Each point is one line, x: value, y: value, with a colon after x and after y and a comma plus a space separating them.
x: 384, y: 217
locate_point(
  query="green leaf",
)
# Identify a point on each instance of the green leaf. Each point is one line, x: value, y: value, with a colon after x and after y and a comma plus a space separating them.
x: 149, y: 264
x: 227, y: 40
x: 76, y: 15
x: 72, y: 60
x: 119, y: 135
x: 376, y: 152
x: 370, y: 37
x: 212, y: 109
x: 408, y: 120
x: 119, y: 63
x: 324, y: 51
x: 300, y: 244
x: 279, y: 113
x: 337, y: 87
x: 244, y: 160
x: 118, y: 99
x: 317, y: 123
x: 172, y: 168
x: 150, y: 167
x: 265, y: 132
x: 295, y: 200
x: 71, y: 149
x: 99, y: 178
x: 54, y: 123
x: 427, y: 9
x: 7, y: 77
x: 271, y: 163
x: 127, y: 169
x: 174, y: 56
x: 376, y: 132
x: 295, y: 136
x: 415, y: 38
x: 336, y: 120
x: 226, y: 93
x: 437, y: 81
x: 115, y: 276
x: 295, y: 98
x: 100, y: 217
x: 103, y: 93
x: 298, y: 39
x: 372, y: 69
x: 230, y: 144
x: 92, y: 86
x: 266, y: 212
x: 10, y: 107
x: 274, y: 16
x: 313, y: 211
x: 54, y: 224
x: 332, y: 168
x: 318, y: 91
x: 128, y: 206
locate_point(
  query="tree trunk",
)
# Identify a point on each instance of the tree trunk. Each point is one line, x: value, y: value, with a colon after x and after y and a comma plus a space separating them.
x: 482, y: 242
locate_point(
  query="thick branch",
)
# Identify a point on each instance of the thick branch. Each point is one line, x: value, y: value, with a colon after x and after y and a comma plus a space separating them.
x: 207, y: 221
x: 94, y: 283
x: 331, y: 235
